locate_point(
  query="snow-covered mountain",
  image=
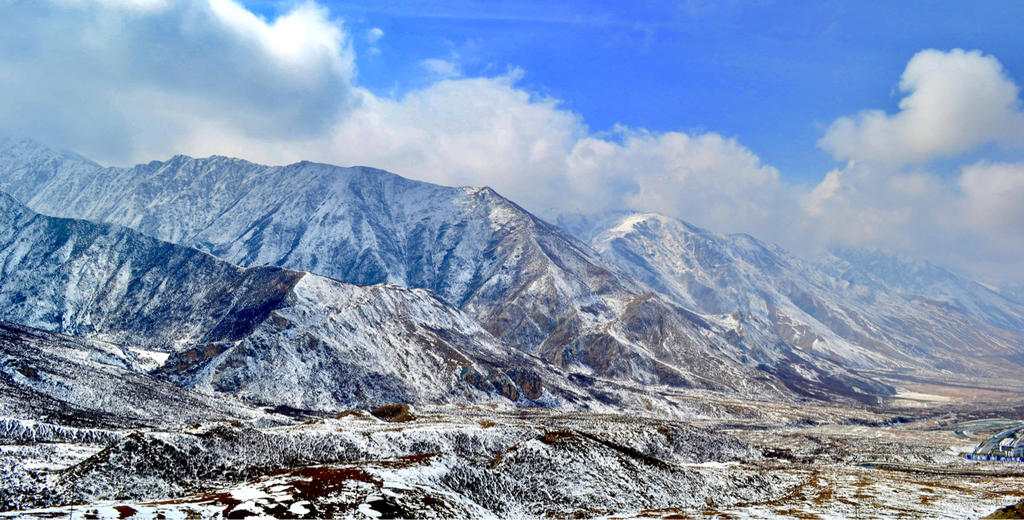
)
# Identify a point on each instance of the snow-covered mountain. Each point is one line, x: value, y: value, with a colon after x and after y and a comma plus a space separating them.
x: 266, y: 334
x: 857, y: 310
x: 1014, y: 293
x: 525, y: 281
x: 912, y: 278
x: 112, y: 283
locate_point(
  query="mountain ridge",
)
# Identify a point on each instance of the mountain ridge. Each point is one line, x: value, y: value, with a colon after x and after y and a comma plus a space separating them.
x: 809, y: 305
x: 346, y: 345
x: 522, y: 279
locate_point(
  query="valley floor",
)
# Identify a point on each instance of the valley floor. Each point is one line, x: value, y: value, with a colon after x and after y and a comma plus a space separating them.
x: 732, y: 459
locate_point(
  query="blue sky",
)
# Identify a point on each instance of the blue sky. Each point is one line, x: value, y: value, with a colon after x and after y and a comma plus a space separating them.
x: 891, y: 125
x: 771, y: 74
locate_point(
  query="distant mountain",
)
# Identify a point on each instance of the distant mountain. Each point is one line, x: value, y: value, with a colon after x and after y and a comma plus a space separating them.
x: 892, y: 273
x: 269, y: 335
x: 859, y: 310
x: 525, y: 281
x: 1014, y: 293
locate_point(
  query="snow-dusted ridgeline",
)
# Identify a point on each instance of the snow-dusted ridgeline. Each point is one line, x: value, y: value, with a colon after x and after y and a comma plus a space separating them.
x: 853, y: 312
x: 266, y: 334
x: 110, y: 282
x: 525, y: 281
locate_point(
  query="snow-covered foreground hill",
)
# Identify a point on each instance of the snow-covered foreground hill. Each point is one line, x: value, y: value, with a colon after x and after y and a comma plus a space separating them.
x: 483, y: 462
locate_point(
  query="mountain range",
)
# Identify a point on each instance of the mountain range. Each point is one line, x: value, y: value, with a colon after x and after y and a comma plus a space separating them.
x: 861, y: 309
x: 267, y: 334
x: 319, y: 286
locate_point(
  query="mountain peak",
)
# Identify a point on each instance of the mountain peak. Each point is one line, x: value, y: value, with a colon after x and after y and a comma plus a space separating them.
x: 29, y: 151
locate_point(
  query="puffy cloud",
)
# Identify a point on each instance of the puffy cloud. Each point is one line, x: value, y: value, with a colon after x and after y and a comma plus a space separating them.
x: 134, y: 80
x: 121, y: 78
x: 994, y: 201
x: 866, y: 204
x: 974, y: 221
x: 955, y: 101
x: 486, y: 131
x: 703, y: 178
x: 472, y: 131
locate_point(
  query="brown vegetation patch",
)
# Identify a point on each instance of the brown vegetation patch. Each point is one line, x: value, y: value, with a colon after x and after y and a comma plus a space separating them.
x: 393, y: 413
x: 501, y: 456
x: 824, y: 496
x: 408, y: 460
x: 322, y: 480
x: 796, y: 513
x: 717, y: 514
x: 1014, y: 511
x: 557, y: 435
x: 124, y: 511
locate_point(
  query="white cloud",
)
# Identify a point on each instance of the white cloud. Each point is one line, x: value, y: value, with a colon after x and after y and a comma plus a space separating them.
x: 134, y: 80
x: 441, y: 68
x: 974, y: 221
x: 955, y: 101
x: 474, y: 131
x: 703, y: 178
x: 119, y: 79
x: 865, y: 204
x: 374, y: 35
x: 994, y: 200
x: 486, y: 131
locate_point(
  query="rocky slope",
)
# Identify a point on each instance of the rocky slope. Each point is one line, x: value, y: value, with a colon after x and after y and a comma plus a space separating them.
x: 112, y: 283
x: 850, y: 311
x: 883, y: 272
x: 266, y: 334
